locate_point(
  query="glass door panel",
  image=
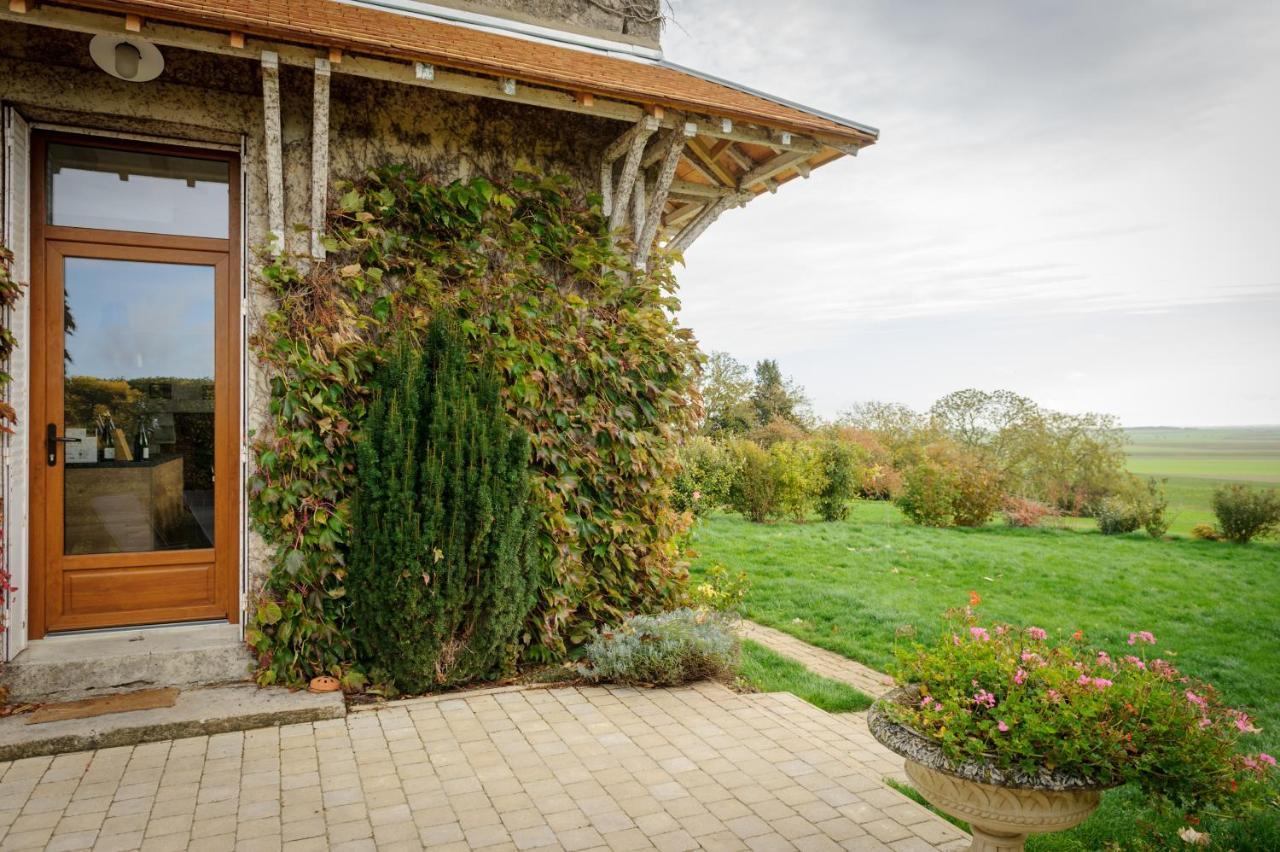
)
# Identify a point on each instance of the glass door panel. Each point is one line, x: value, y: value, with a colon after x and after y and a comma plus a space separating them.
x: 138, y: 406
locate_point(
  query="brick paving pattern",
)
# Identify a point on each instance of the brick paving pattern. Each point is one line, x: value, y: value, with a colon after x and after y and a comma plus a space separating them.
x: 570, y: 768
x: 819, y: 660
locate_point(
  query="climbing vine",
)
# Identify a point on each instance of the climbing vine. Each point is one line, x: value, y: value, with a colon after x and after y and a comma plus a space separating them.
x: 594, y: 369
x: 10, y: 293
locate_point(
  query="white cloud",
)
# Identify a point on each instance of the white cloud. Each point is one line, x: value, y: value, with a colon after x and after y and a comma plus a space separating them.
x: 1053, y: 165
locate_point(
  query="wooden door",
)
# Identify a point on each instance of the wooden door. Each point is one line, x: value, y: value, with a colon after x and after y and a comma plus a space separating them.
x: 135, y: 340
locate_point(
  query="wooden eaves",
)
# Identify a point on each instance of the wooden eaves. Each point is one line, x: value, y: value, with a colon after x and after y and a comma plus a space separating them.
x: 689, y: 147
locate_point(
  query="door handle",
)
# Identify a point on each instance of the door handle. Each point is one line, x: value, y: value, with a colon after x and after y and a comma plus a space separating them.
x: 52, y: 440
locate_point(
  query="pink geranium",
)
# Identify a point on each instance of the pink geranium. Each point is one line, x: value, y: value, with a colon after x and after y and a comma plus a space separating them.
x: 1037, y: 633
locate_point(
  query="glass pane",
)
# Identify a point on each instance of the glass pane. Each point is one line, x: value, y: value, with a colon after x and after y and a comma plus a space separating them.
x: 135, y: 191
x: 139, y: 394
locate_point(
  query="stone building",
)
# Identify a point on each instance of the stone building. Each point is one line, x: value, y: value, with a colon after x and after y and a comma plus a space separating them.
x: 152, y: 149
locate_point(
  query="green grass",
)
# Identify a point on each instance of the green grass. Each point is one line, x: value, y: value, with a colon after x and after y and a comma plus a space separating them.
x: 765, y: 671
x: 852, y: 586
x: 1196, y: 461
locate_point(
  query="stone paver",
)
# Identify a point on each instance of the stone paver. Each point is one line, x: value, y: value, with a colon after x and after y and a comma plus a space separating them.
x: 819, y: 660
x: 572, y: 768
x: 831, y: 665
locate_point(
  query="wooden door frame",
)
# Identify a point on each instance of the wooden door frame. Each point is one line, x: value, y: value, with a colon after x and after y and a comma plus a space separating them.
x: 45, y: 240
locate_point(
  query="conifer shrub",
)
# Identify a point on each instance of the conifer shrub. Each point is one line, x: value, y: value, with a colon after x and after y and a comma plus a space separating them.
x: 444, y: 566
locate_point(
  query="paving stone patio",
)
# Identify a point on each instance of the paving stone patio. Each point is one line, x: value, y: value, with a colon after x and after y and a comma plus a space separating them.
x: 570, y: 768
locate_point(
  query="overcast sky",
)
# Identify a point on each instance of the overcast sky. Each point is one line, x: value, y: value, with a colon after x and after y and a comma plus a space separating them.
x: 1078, y: 201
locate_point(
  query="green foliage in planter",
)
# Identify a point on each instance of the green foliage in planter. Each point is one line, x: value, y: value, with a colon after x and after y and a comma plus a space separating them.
x: 444, y: 565
x: 592, y: 365
x: 1010, y: 697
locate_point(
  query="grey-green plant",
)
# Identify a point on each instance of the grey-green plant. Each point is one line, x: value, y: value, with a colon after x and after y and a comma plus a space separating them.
x: 667, y: 649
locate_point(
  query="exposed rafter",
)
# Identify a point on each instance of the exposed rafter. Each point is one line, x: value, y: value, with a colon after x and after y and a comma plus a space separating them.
x: 705, y: 163
x: 770, y: 168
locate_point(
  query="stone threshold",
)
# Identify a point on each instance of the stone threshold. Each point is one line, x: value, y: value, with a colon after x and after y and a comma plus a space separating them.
x: 197, y: 712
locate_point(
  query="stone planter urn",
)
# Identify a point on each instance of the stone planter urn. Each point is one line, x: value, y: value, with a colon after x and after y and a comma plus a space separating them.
x: 1001, y: 807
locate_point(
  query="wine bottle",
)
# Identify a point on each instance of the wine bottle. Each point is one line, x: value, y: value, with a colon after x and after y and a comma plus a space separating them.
x: 142, y: 444
x: 109, y: 447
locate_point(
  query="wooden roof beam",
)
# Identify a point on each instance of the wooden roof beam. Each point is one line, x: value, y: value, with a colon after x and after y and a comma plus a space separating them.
x: 762, y: 173
x: 705, y: 163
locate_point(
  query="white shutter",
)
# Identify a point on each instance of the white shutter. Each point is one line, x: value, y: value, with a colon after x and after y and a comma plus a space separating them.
x: 16, y: 472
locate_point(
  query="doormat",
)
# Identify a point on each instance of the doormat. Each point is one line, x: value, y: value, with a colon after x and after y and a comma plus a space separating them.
x: 143, y: 699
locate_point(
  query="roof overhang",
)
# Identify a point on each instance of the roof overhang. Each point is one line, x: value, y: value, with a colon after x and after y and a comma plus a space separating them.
x: 736, y: 143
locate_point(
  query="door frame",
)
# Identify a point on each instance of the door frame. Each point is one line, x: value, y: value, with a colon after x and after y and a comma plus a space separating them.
x: 47, y: 240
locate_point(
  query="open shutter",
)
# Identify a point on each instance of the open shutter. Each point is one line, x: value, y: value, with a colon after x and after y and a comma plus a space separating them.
x: 16, y: 473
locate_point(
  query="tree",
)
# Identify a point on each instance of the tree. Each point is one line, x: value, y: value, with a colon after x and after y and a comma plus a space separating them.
x: 444, y: 564
x: 902, y: 430
x: 775, y: 397
x: 726, y: 385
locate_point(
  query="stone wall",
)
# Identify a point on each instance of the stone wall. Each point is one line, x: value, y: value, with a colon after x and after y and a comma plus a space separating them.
x: 637, y: 21
x: 213, y: 99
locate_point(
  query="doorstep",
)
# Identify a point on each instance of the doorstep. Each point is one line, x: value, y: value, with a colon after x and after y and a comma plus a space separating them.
x: 79, y: 665
x: 196, y: 712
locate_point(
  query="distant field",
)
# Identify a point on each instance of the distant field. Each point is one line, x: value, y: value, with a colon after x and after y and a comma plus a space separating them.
x: 1196, y: 461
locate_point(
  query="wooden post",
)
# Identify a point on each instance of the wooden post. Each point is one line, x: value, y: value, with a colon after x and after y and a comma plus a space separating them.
x: 630, y: 166
x: 274, y: 145
x: 662, y: 186
x: 319, y: 156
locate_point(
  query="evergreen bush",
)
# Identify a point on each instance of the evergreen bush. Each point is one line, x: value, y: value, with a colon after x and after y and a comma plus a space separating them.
x: 443, y: 562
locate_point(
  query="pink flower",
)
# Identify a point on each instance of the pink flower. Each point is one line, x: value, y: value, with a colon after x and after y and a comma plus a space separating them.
x: 984, y: 698
x: 1019, y: 677
x: 1104, y: 659
x: 1054, y: 695
x: 955, y: 640
x: 979, y: 634
x: 1205, y: 722
x: 1001, y: 630
x: 1266, y: 759
x: 1002, y: 727
x: 1244, y: 723
x: 1101, y: 682
x: 1142, y: 636
x: 697, y: 495
x: 1037, y: 633
x: 927, y: 702
x: 1135, y: 661
x: 1197, y: 700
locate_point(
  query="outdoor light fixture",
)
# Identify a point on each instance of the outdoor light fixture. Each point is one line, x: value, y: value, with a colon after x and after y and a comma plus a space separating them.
x: 132, y: 59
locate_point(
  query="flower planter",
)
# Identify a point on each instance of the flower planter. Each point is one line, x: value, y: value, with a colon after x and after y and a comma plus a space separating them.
x: 1001, y: 807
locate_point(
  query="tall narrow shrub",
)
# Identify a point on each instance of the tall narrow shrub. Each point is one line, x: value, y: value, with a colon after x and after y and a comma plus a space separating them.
x: 443, y: 562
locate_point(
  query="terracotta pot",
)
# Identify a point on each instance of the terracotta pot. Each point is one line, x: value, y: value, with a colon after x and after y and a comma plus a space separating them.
x: 324, y: 683
x: 1001, y: 807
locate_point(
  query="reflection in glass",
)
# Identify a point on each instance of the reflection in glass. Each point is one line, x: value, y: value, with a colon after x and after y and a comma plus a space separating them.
x: 136, y: 191
x: 139, y: 359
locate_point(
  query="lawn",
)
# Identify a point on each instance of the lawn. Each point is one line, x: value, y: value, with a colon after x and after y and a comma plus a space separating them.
x: 854, y: 586
x: 1196, y: 461
x: 766, y: 671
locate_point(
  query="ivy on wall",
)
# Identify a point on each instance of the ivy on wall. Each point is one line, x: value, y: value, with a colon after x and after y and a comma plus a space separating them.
x: 595, y: 370
x: 10, y: 292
